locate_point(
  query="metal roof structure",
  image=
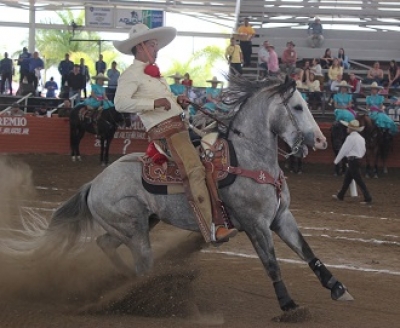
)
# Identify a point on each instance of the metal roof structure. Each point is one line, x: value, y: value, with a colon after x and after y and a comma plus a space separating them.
x: 374, y: 14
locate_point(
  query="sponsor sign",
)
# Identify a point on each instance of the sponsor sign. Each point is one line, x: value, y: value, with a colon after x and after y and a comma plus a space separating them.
x: 99, y: 17
x: 14, y: 125
x: 127, y: 18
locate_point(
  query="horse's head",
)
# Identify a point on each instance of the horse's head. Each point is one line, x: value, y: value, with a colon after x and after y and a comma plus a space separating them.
x: 292, y: 120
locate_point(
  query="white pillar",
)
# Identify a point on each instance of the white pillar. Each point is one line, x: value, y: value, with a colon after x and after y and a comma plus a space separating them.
x: 32, y: 26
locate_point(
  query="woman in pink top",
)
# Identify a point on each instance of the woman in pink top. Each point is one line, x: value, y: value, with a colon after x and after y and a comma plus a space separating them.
x: 273, y: 63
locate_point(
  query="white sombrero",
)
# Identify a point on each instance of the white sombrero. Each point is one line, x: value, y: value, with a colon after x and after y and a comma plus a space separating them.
x: 141, y: 33
x: 353, y: 125
x: 374, y: 85
x: 100, y: 76
x: 176, y: 76
x: 214, y: 80
x: 344, y: 84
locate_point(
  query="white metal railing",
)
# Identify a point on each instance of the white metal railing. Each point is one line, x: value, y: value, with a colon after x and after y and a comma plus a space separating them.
x: 24, y: 98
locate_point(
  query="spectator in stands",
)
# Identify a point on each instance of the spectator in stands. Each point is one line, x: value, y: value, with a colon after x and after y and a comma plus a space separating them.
x: 84, y: 72
x: 64, y: 68
x: 65, y: 110
x: 23, y: 62
x: 317, y: 70
x: 335, y: 70
x: 113, y: 76
x: 326, y: 60
x: 355, y: 86
x: 42, y: 110
x: 100, y: 66
x: 305, y: 71
x: 6, y: 72
x: 273, y: 61
x: 187, y: 82
x: 98, y: 97
x: 213, y: 95
x: 343, y: 102
x: 375, y: 74
x: 177, y: 88
x: 289, y: 58
x: 393, y: 74
x: 36, y: 64
x: 234, y: 57
x: 75, y: 83
x: 263, y: 56
x: 343, y: 59
x: 315, y: 33
x: 314, y: 91
x: 393, y: 109
x: 376, y: 110
x: 51, y: 87
x: 15, y: 110
x: 246, y: 33
x: 335, y: 84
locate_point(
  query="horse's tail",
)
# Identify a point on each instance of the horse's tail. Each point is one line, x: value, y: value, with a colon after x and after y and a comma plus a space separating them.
x: 69, y: 224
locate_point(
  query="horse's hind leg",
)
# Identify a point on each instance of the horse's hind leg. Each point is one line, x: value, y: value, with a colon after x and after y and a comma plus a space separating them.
x: 286, y: 228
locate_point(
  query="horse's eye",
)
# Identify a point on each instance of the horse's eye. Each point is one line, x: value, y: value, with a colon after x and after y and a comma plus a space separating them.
x: 298, y: 107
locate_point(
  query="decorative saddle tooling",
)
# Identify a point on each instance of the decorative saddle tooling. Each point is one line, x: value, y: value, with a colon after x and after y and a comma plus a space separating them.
x: 160, y: 175
x: 89, y: 113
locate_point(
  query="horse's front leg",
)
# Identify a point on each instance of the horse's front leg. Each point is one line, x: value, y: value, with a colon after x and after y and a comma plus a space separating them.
x: 261, y: 237
x: 285, y: 226
x: 102, y: 150
x: 107, y: 150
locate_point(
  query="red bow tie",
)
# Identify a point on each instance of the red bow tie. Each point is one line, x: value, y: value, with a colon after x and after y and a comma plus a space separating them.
x: 152, y: 70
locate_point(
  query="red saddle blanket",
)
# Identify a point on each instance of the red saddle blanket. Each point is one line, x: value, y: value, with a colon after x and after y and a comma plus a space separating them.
x: 159, y: 179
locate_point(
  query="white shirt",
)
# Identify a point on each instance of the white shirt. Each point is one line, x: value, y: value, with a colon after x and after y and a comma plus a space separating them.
x: 263, y: 55
x: 317, y: 70
x: 335, y: 86
x: 354, y: 145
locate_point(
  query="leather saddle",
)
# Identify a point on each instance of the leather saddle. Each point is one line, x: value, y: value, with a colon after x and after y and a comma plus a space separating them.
x: 90, y: 114
x: 162, y: 177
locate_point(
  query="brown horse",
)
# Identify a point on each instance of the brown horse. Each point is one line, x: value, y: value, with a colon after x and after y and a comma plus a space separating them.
x: 378, y: 143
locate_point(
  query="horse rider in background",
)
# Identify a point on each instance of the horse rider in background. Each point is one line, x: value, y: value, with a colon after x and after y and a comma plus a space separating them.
x: 142, y: 90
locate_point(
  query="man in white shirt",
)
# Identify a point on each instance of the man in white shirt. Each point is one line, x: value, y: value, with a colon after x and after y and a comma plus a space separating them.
x: 263, y: 56
x: 354, y: 149
x: 143, y: 91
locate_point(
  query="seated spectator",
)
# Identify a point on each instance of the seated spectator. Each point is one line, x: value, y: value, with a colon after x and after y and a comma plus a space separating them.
x: 303, y: 89
x: 335, y: 70
x: 65, y: 110
x: 213, y: 95
x: 385, y: 89
x: 317, y: 70
x: 305, y: 71
x: 42, y: 111
x: 375, y: 74
x: 393, y: 74
x: 263, y: 56
x: 326, y: 60
x: 177, y: 88
x: 343, y: 102
x: 51, y: 87
x: 273, y: 61
x: 355, y: 87
x: 15, y: 110
x: 187, y: 82
x: 315, y: 33
x: 314, y: 91
x: 393, y: 109
x: 335, y: 84
x: 376, y: 109
x: 289, y: 58
x: 343, y: 59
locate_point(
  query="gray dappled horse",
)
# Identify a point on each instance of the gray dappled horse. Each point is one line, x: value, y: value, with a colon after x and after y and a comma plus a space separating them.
x: 262, y: 111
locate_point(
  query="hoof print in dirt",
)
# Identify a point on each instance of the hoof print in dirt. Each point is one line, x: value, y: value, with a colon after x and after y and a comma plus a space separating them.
x: 300, y: 314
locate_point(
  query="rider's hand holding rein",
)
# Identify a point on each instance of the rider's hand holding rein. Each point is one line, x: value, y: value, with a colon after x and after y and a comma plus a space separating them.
x: 162, y: 102
x: 183, y: 101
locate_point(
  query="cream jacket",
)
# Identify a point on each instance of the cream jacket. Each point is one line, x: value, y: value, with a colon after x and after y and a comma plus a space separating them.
x: 137, y: 91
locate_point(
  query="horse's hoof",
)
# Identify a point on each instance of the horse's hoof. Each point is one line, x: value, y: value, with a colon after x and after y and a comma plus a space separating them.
x: 300, y: 314
x: 376, y: 176
x: 73, y: 158
x: 339, y: 292
x: 79, y: 159
x: 385, y: 171
x: 367, y: 176
x: 103, y: 164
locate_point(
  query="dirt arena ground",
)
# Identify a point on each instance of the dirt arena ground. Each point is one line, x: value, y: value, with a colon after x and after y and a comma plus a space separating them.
x: 224, y: 286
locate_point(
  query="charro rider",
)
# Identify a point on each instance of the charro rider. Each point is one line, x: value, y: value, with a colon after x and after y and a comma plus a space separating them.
x: 143, y: 91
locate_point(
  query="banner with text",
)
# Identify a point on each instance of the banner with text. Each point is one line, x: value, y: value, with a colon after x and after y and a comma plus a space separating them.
x: 99, y: 17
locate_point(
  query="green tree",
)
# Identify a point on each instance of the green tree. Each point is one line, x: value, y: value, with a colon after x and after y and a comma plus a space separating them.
x: 200, y: 65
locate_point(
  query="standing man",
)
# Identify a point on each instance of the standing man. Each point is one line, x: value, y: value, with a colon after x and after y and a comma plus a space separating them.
x: 315, y: 33
x: 51, y: 87
x: 36, y: 64
x: 113, y: 75
x: 84, y: 72
x: 64, y: 68
x: 289, y: 58
x: 100, y: 66
x: 6, y: 71
x: 142, y: 90
x: 354, y: 149
x: 246, y: 34
x: 75, y: 83
x: 234, y: 56
x: 23, y: 62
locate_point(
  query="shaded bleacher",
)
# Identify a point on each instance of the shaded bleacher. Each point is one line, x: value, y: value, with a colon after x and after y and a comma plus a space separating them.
x: 31, y: 104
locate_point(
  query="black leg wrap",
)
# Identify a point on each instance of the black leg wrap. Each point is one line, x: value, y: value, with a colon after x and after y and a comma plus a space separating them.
x: 337, y: 291
x: 285, y: 301
x: 324, y: 275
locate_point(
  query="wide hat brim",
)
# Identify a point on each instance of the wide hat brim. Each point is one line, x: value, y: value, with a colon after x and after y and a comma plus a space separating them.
x: 100, y: 77
x: 214, y: 81
x: 373, y: 87
x: 355, y: 128
x: 163, y: 35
